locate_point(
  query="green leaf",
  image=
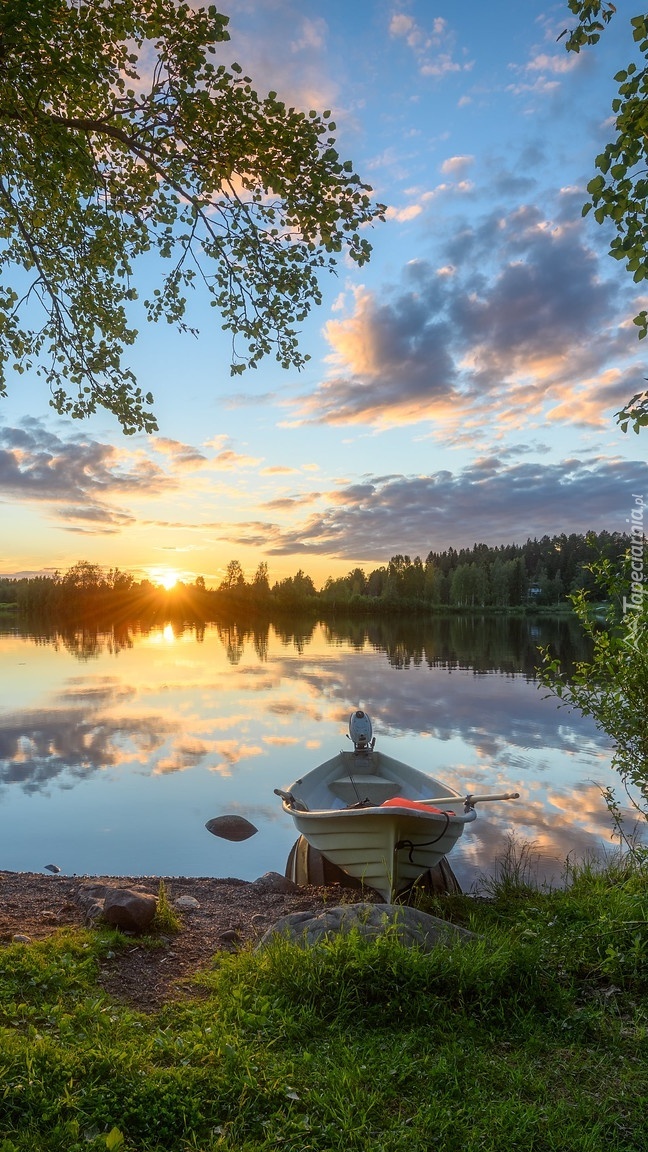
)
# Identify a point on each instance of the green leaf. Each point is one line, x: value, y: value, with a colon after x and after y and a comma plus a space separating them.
x: 596, y: 186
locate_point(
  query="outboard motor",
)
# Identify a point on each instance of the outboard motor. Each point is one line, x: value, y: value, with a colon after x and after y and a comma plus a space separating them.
x: 360, y: 732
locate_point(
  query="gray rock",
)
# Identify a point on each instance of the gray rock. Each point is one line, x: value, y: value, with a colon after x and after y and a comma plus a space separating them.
x: 187, y: 904
x: 90, y: 897
x: 93, y: 912
x: 274, y: 882
x: 413, y: 929
x: 20, y: 938
x: 231, y: 827
x: 126, y: 908
x: 88, y: 894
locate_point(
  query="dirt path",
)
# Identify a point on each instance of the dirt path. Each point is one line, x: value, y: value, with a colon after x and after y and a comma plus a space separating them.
x: 231, y: 913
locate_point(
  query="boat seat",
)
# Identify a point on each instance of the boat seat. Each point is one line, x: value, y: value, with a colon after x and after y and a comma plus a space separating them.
x: 364, y: 787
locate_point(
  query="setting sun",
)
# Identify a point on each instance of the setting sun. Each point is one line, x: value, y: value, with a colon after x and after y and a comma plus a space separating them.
x: 167, y: 577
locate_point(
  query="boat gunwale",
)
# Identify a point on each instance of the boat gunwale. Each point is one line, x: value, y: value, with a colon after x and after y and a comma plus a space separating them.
x: 383, y: 812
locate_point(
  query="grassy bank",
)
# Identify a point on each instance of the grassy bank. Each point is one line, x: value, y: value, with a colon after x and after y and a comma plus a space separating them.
x: 533, y: 1037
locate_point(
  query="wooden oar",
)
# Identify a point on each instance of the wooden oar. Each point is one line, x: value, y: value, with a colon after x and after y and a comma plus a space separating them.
x: 470, y: 798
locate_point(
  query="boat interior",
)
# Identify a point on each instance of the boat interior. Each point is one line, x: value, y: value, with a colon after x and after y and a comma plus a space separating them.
x: 360, y: 787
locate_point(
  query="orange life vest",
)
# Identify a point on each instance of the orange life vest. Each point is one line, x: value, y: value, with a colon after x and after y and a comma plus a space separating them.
x: 402, y: 802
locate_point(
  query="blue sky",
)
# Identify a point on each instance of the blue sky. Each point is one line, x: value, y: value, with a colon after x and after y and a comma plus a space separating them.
x: 461, y: 386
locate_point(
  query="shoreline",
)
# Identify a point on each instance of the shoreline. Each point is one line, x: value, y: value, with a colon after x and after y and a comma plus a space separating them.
x: 229, y: 915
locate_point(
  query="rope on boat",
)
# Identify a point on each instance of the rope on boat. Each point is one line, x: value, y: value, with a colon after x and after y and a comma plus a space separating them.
x: 424, y: 844
x: 360, y: 803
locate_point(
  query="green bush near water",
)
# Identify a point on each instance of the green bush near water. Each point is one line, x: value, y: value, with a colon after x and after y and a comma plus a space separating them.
x: 532, y: 1037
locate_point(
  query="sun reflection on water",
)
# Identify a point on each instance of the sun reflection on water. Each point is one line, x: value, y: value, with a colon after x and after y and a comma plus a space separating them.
x: 165, y: 635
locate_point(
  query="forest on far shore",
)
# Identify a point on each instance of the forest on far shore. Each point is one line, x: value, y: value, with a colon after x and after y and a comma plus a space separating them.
x: 539, y: 573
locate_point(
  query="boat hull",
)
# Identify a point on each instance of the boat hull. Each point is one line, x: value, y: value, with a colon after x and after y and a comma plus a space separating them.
x: 387, y: 848
x: 305, y: 865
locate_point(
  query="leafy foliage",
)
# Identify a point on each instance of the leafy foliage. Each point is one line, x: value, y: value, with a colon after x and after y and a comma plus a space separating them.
x: 119, y: 136
x: 619, y: 193
x: 612, y: 686
x: 635, y: 412
x: 592, y: 16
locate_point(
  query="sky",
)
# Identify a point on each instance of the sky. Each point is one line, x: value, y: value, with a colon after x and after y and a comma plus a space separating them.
x: 462, y: 386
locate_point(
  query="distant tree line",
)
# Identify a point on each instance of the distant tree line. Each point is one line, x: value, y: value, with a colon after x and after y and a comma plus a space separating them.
x: 84, y: 586
x: 539, y: 573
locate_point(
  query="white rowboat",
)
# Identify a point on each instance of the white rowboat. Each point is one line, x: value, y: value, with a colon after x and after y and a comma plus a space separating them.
x: 360, y: 810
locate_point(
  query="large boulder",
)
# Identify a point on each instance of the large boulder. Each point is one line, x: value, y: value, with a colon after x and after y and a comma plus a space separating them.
x: 129, y: 909
x: 413, y: 928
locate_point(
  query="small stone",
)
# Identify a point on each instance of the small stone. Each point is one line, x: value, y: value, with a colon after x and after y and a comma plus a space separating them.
x: 274, y: 882
x: 19, y: 938
x: 187, y: 904
x: 231, y: 827
x: 229, y: 936
x: 52, y: 868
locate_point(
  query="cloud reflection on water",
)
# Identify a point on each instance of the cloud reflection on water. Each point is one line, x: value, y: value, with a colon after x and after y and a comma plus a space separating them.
x: 229, y: 733
x: 38, y: 747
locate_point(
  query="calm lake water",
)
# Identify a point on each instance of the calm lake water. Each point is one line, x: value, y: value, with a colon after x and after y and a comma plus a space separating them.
x: 117, y: 747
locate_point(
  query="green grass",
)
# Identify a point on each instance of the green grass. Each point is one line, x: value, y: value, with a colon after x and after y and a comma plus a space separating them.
x: 166, y: 918
x: 533, y: 1037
